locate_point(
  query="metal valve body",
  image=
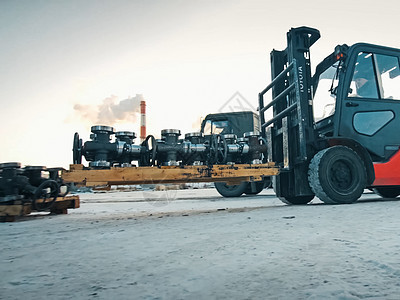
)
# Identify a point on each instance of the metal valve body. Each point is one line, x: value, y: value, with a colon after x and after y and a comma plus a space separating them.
x: 194, y: 149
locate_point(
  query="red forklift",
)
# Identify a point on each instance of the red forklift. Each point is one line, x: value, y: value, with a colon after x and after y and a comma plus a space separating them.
x: 332, y: 133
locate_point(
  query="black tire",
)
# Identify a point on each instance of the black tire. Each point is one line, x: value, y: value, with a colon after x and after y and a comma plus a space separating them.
x: 387, y: 192
x: 337, y: 175
x: 230, y: 190
x: 299, y: 200
x: 259, y: 186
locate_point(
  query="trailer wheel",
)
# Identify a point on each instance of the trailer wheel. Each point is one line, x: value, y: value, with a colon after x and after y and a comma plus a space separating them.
x: 258, y: 187
x: 299, y: 200
x: 230, y: 190
x: 337, y: 175
x: 387, y: 192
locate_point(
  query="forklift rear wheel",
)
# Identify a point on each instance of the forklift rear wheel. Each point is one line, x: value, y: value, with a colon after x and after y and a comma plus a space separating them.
x: 299, y: 200
x: 230, y: 190
x: 337, y: 175
x: 387, y: 192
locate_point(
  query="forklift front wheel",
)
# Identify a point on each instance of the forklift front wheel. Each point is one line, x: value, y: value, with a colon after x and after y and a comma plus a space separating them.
x: 337, y: 175
x: 230, y: 190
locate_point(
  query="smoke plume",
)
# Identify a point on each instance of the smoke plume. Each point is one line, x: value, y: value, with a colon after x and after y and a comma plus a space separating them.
x: 111, y: 111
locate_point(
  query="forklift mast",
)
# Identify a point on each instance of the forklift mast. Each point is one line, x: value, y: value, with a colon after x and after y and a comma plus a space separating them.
x: 290, y: 132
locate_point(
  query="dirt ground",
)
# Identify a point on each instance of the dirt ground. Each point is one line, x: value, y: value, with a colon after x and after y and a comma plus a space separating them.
x: 193, y: 244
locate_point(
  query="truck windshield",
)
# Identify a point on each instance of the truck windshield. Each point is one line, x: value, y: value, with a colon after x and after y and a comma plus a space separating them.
x: 325, y: 95
x: 216, y: 127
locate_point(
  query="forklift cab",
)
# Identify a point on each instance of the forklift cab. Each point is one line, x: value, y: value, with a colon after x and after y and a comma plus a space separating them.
x: 365, y: 79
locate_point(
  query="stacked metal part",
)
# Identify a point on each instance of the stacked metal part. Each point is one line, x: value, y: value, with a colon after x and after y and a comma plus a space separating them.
x: 29, y: 185
x: 101, y: 152
x: 195, y: 149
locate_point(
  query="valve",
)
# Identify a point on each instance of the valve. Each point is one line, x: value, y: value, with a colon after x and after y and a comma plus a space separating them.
x: 170, y: 147
x: 28, y: 185
x: 256, y: 148
x: 170, y: 150
x: 101, y: 152
x: 124, y: 141
x: 194, y: 149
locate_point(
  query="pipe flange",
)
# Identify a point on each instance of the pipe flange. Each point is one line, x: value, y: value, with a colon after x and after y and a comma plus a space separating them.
x: 10, y: 165
x: 230, y: 136
x: 165, y: 132
x: 256, y: 162
x: 102, y: 129
x: 35, y: 168
x: 193, y: 134
x: 126, y: 165
x: 99, y: 164
x: 120, y: 147
x: 242, y: 140
x: 125, y: 134
x: 171, y: 163
x: 250, y: 134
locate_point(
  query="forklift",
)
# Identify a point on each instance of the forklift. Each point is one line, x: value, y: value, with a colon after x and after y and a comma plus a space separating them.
x: 332, y: 133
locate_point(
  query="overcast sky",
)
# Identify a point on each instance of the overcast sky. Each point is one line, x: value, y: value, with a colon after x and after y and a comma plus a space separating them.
x: 187, y: 58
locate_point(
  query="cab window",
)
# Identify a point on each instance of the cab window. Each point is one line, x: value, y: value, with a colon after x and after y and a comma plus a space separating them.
x: 388, y: 68
x: 363, y: 83
x: 375, y: 76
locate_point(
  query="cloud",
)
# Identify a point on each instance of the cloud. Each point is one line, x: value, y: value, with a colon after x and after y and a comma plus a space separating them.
x: 110, y: 111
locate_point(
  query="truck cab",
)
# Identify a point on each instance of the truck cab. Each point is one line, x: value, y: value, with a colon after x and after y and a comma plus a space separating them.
x: 236, y: 123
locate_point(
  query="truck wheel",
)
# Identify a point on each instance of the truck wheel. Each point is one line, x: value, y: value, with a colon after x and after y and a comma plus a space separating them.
x: 299, y: 200
x: 259, y: 186
x: 387, y: 192
x: 230, y: 190
x: 337, y: 175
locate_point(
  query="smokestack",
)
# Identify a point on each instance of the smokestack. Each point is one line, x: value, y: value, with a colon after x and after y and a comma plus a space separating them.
x: 142, y: 120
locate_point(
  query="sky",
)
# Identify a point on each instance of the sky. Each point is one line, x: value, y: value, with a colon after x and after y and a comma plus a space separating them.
x: 62, y: 62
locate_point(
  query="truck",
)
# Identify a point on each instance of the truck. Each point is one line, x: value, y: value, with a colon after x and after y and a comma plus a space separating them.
x: 239, y: 124
x: 332, y: 133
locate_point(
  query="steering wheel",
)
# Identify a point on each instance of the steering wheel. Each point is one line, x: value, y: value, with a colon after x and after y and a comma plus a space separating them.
x: 148, y: 158
x: 47, y: 192
x: 77, y: 149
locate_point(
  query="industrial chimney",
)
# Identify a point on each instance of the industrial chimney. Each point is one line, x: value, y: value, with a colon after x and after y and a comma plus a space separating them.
x: 142, y: 120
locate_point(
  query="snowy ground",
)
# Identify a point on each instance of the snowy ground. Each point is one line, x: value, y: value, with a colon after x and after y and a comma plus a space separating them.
x: 193, y: 244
